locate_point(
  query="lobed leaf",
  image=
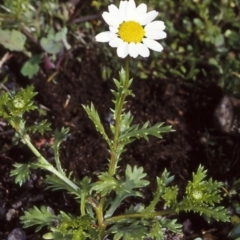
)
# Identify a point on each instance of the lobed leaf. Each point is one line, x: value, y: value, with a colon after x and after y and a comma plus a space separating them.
x: 40, y: 217
x: 21, y: 172
x: 93, y: 115
x: 106, y: 184
x: 41, y: 127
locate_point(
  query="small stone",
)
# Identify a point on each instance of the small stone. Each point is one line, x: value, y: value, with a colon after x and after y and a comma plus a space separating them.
x: 17, y: 204
x: 10, y: 214
x: 17, y: 234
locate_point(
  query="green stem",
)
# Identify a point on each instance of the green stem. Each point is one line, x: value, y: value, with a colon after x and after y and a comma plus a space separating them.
x: 137, y: 215
x: 113, y: 158
x: 113, y: 149
x: 47, y: 166
x: 82, y: 206
x: 99, y: 212
x: 57, y: 159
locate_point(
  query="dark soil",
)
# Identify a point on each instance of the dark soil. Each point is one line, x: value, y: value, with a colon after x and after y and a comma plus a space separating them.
x: 188, y: 106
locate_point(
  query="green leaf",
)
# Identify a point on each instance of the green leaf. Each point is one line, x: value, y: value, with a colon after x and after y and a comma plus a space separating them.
x: 134, y: 180
x: 134, y: 131
x: 21, y: 172
x: 4, y: 111
x: 40, y: 217
x: 60, y: 136
x: 123, y: 90
x: 31, y: 66
x: 41, y: 127
x: 133, y: 231
x: 162, y: 183
x: 156, y: 231
x: 52, y: 43
x: 79, y: 228
x: 171, y: 225
x: 202, y: 195
x: 93, y: 115
x: 106, y: 184
x: 55, y: 183
x: 159, y: 225
x: 170, y: 196
x: 12, y: 40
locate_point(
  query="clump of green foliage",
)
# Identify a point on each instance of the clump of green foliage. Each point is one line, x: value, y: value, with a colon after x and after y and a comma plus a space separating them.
x: 100, y: 201
x: 39, y: 25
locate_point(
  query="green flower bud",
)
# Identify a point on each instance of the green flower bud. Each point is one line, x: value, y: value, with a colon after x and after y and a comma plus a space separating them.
x: 18, y: 102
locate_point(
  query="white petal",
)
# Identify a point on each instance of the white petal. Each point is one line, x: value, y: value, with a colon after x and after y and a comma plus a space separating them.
x: 155, y: 35
x: 114, y: 11
x: 152, y: 44
x: 110, y: 19
x: 149, y: 17
x: 122, y: 51
x: 131, y: 7
x: 142, y: 50
x: 132, y: 50
x: 116, y: 42
x: 103, y: 37
x: 140, y: 12
x: 113, y: 29
x: 156, y: 25
x: 122, y: 9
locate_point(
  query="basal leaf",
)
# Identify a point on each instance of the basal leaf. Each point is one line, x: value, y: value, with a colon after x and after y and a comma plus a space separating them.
x: 31, y: 66
x: 12, y: 39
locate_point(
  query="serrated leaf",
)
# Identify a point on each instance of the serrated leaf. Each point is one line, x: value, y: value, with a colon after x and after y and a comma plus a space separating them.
x: 38, y: 217
x: 55, y: 183
x: 171, y: 225
x: 15, y: 106
x: 218, y: 213
x: 170, y: 196
x: 56, y: 234
x: 156, y: 231
x: 199, y: 175
x: 133, y: 231
x: 60, y: 136
x: 93, y: 115
x: 202, y: 195
x: 21, y: 172
x: 134, y: 180
x: 4, y: 111
x: 41, y: 127
x: 134, y: 177
x: 162, y: 183
x: 202, y: 192
x: 134, y: 131
x: 106, y: 184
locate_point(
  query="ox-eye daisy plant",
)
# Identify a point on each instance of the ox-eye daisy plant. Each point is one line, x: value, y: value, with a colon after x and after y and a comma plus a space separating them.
x: 103, y: 211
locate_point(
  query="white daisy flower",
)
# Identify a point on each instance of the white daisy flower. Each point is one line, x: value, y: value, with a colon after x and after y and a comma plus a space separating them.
x: 131, y: 29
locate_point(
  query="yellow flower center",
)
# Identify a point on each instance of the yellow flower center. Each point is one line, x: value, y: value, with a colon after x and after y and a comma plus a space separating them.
x: 131, y: 32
